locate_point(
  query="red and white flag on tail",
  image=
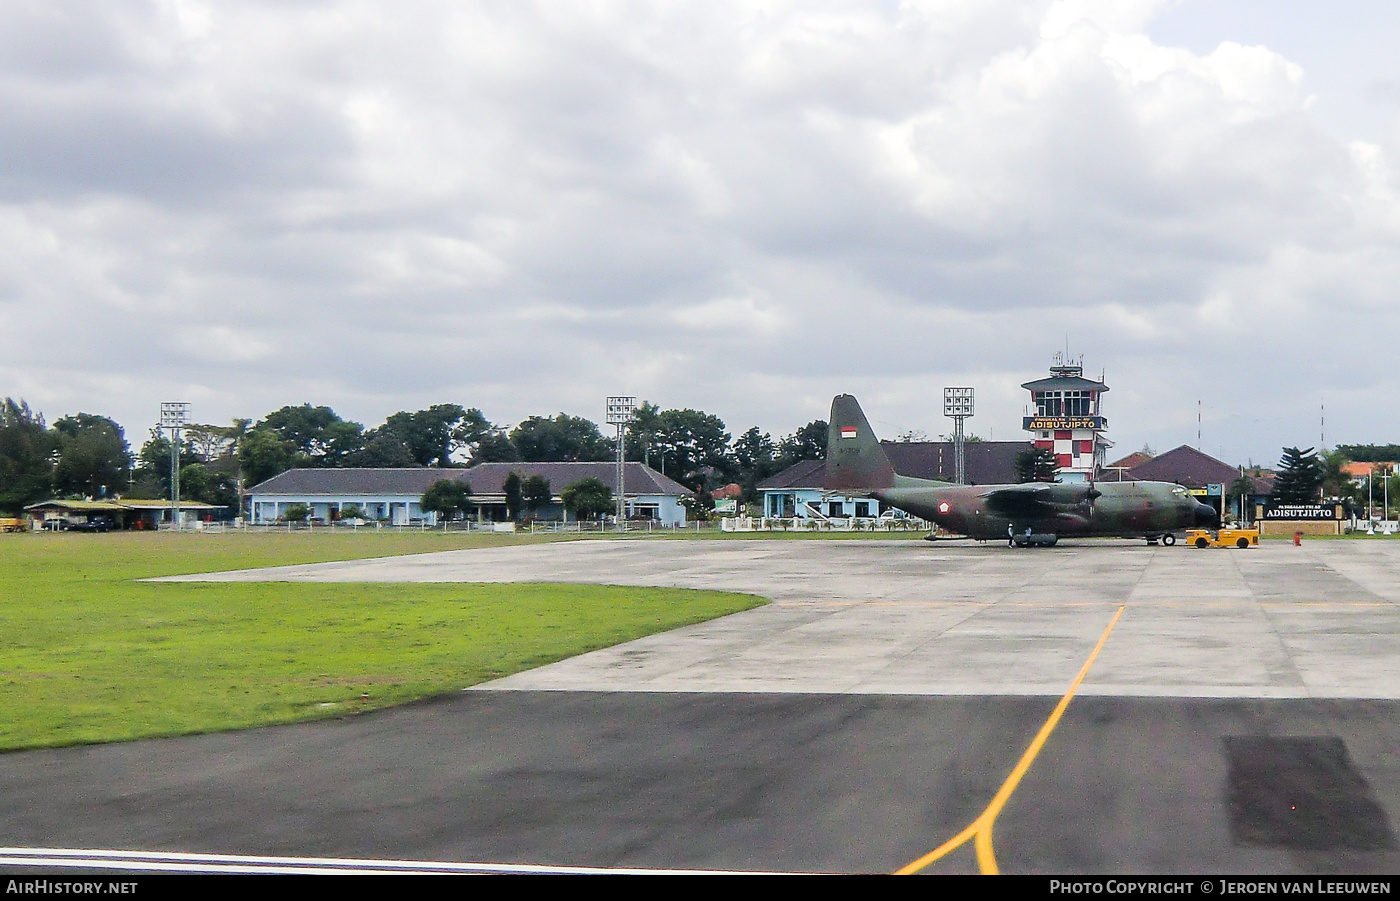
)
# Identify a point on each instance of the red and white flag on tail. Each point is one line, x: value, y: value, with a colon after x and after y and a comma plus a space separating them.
x: 848, y: 431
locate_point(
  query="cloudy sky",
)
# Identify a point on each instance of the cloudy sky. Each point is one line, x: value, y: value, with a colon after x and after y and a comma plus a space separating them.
x: 742, y: 207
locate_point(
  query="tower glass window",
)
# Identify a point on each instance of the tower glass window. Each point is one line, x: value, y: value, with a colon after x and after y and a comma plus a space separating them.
x: 1064, y: 403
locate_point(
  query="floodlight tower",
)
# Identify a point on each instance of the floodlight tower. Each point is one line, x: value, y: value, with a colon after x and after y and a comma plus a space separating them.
x: 620, y: 410
x: 173, y: 418
x: 957, y: 405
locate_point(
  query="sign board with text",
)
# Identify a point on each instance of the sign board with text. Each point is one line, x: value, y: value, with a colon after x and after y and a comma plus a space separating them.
x: 1302, y: 511
x: 1051, y: 423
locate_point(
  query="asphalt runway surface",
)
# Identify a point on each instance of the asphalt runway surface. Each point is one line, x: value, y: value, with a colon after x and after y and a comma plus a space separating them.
x: 1242, y: 717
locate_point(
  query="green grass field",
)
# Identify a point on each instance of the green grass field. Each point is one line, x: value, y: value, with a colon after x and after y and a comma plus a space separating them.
x: 89, y: 654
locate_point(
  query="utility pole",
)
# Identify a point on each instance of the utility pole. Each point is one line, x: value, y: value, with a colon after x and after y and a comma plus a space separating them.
x: 957, y: 405
x: 173, y: 418
x: 620, y: 410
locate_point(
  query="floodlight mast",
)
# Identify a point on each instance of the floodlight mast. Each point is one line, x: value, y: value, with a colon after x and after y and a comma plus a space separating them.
x: 173, y: 418
x: 620, y: 410
x: 957, y: 405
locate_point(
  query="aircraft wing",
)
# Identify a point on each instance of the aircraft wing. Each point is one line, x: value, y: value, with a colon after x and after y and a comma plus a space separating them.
x: 1037, y: 498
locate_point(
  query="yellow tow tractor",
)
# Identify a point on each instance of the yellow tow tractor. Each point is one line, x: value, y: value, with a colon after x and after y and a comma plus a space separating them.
x: 1240, y: 538
x: 12, y: 524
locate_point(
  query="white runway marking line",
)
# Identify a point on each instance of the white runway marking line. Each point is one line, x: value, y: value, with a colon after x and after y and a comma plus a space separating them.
x: 172, y: 862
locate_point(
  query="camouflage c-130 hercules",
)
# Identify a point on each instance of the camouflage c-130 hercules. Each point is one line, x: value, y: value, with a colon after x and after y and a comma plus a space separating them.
x: 1029, y: 514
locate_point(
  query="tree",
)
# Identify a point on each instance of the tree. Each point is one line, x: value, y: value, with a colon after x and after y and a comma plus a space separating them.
x: 434, y: 437
x: 474, y: 433
x: 296, y: 513
x: 494, y: 447
x: 699, y: 506
x: 1299, y: 477
x: 215, y: 447
x: 642, y: 432
x: 381, y: 450
x: 93, y: 457
x: 537, y: 493
x: 587, y: 498
x: 693, y: 444
x: 755, y: 450
x: 434, y: 434
x: 447, y: 498
x: 1331, y: 466
x: 26, y: 448
x: 1371, y: 453
x: 756, y: 458
x: 208, y: 442
x: 235, y: 432
x: 151, y: 478
x: 561, y: 439
x: 317, y: 433
x: 1241, y: 488
x: 1038, y: 464
x: 203, y: 483
x: 263, y: 454
x: 807, y: 443
x: 515, y: 495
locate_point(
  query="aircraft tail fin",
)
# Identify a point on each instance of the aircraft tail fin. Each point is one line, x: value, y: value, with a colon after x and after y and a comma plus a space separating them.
x: 854, y: 458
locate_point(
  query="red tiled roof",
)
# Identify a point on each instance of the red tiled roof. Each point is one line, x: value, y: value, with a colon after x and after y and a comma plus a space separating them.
x: 1186, y: 466
x: 1362, y: 470
x: 1136, y: 458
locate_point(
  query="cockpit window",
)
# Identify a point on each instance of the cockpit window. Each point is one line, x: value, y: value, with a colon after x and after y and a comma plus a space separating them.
x: 1178, y: 490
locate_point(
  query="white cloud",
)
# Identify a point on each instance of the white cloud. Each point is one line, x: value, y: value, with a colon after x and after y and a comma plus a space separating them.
x: 743, y: 207
x: 746, y: 318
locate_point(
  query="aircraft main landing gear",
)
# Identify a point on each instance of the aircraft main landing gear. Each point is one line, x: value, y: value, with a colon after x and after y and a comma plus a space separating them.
x: 1030, y: 539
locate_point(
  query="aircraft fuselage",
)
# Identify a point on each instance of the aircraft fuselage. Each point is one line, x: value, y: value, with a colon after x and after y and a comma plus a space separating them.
x: 1122, y: 509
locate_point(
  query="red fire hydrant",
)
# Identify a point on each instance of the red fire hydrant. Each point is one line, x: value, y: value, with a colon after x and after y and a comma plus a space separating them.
x: 1297, y: 539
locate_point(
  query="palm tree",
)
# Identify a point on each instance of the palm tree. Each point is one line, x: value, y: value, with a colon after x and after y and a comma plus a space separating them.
x: 235, y: 432
x: 1335, y: 480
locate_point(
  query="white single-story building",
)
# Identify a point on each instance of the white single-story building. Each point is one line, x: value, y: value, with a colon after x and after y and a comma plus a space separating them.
x: 392, y: 495
x: 395, y: 495
x: 797, y: 493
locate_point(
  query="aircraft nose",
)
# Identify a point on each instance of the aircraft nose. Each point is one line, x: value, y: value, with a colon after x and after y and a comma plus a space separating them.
x: 1206, y: 516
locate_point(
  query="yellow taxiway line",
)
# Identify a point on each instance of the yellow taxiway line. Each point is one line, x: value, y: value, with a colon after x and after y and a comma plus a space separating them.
x: 980, y: 830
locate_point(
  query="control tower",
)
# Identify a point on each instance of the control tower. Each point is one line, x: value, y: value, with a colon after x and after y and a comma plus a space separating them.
x: 1065, y: 418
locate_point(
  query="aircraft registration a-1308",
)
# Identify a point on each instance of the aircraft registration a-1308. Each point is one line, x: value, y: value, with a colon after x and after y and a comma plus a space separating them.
x: 1026, y: 515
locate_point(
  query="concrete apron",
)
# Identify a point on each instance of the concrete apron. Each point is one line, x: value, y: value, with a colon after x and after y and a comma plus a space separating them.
x: 903, y: 617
